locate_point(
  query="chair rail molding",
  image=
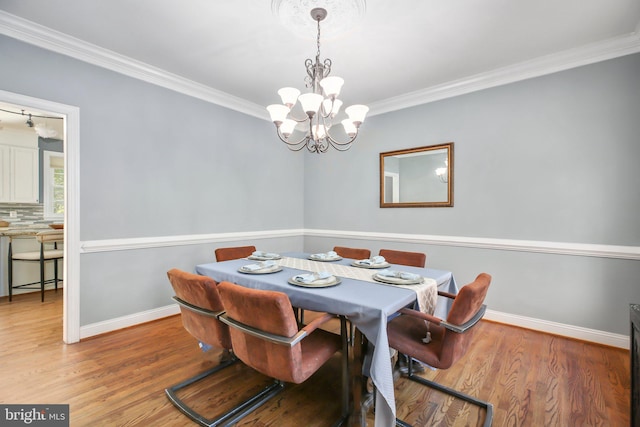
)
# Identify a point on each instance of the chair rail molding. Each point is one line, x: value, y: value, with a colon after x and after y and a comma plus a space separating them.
x: 558, y: 248
x: 536, y: 246
x: 111, y: 245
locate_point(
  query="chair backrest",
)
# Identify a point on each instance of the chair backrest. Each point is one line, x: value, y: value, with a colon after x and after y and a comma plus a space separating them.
x: 353, y: 253
x: 200, y: 292
x: 414, y: 259
x: 270, y: 312
x: 468, y: 302
x: 236, y: 252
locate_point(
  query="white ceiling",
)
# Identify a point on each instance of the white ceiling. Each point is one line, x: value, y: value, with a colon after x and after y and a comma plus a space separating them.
x: 400, y: 52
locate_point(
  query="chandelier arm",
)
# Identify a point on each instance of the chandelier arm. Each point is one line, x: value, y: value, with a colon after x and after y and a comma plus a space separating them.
x: 317, y: 147
x: 327, y: 67
x: 338, y: 145
x: 324, y: 121
x: 326, y: 116
x: 312, y: 146
x: 309, y: 65
x: 299, y: 120
x: 301, y: 143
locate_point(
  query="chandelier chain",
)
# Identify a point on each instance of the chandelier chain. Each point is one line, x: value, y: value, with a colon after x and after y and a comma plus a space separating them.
x: 318, y: 40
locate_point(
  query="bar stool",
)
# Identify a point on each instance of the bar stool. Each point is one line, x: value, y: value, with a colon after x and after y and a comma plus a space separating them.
x: 52, y: 237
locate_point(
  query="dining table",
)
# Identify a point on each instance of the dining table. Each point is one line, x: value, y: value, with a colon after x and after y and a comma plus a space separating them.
x: 366, y: 303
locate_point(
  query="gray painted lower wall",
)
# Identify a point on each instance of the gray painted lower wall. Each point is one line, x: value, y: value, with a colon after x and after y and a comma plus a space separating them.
x: 126, y: 282
x: 550, y: 266
x: 584, y: 291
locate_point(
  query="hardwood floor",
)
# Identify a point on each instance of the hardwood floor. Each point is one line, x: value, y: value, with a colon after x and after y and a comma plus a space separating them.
x: 118, y: 379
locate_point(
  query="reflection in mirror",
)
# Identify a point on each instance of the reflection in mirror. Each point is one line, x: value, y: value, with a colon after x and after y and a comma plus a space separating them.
x: 417, y: 177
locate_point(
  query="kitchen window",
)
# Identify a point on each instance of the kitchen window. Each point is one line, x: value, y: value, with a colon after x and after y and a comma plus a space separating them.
x: 53, y: 181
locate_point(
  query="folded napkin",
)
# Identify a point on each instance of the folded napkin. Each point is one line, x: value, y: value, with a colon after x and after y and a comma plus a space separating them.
x: 330, y: 254
x: 398, y: 274
x: 312, y: 277
x: 262, y: 254
x: 259, y: 266
x: 375, y: 260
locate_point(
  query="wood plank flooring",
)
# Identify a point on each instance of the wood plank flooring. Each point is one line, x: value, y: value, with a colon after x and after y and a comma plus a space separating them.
x: 118, y: 379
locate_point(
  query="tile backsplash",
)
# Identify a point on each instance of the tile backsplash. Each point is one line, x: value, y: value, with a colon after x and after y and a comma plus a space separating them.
x: 26, y: 214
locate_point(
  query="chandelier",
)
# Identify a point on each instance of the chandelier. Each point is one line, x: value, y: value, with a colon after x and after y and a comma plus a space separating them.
x: 320, y: 107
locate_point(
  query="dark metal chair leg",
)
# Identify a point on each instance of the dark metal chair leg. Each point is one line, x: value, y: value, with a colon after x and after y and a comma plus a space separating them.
x: 41, y: 279
x: 346, y: 412
x: 10, y: 272
x: 55, y: 271
x: 55, y: 266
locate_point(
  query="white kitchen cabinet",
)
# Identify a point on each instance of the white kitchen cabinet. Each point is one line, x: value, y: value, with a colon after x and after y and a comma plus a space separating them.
x: 19, y: 175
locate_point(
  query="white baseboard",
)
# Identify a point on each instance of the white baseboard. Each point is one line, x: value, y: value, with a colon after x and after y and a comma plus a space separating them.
x: 127, y: 321
x: 569, y: 331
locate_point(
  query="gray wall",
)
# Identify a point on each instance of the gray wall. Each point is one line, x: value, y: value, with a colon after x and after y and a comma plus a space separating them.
x: 553, y: 158
x: 154, y: 162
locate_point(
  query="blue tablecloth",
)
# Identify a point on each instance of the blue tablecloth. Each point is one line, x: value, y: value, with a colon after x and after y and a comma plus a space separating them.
x: 367, y: 305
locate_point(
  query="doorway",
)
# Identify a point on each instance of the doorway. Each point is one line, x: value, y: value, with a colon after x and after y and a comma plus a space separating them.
x: 71, y: 142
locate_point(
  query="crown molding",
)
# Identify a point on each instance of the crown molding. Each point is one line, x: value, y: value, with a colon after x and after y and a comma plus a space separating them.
x: 589, y: 54
x: 47, y: 38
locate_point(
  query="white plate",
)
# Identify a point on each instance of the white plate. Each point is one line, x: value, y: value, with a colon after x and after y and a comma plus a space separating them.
x: 396, y: 280
x: 335, y: 258
x: 263, y: 258
x: 320, y: 283
x: 382, y: 265
x: 266, y: 270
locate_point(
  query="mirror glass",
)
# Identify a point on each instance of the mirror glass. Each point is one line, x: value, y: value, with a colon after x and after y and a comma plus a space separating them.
x: 417, y: 177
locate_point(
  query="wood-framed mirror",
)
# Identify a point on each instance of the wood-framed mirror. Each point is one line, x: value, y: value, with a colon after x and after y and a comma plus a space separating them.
x: 417, y: 177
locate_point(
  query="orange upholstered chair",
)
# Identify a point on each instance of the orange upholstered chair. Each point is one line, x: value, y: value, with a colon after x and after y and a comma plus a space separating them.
x: 200, y: 306
x: 236, y: 252
x: 414, y: 259
x: 353, y: 253
x: 266, y: 337
x: 449, y: 339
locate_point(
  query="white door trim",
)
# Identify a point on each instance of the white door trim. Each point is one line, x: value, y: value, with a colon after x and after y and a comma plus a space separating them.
x: 71, y: 275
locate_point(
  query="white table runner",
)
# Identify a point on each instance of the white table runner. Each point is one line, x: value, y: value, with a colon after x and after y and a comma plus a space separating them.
x: 426, y: 292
